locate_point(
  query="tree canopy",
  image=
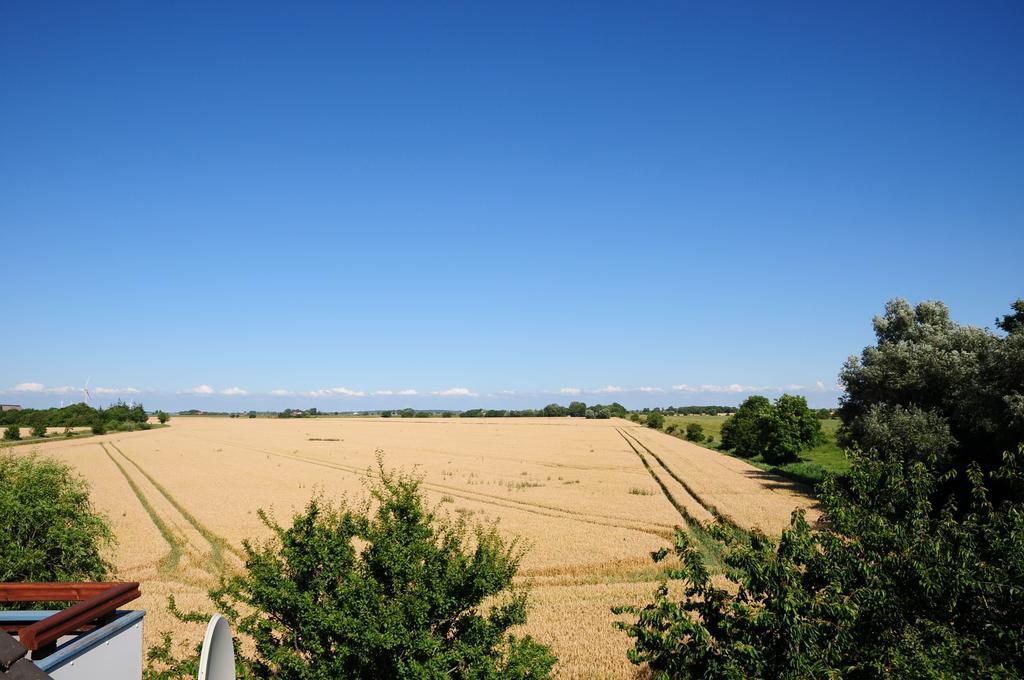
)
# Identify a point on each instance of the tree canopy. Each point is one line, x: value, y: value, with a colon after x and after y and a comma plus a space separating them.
x: 396, y: 591
x: 917, y: 569
x: 777, y: 432
x: 49, y: 529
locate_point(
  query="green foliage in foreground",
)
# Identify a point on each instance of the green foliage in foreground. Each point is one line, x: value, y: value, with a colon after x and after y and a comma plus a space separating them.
x: 777, y: 432
x: 891, y: 587
x: 49, y: 531
x: 397, y: 592
x: 918, y: 567
x: 934, y: 390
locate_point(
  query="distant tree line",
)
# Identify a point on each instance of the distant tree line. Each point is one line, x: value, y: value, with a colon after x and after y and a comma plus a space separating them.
x: 576, y: 409
x: 692, y: 410
x: 119, y: 416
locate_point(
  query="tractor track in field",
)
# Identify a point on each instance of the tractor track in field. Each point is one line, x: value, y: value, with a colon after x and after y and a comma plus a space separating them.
x: 175, y: 543
x: 176, y: 538
x: 658, y: 472
x: 218, y: 544
x: 698, y: 529
x: 654, y: 529
x: 718, y: 515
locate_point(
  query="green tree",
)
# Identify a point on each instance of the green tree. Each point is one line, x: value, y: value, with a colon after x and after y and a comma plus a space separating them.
x: 742, y: 432
x: 12, y: 433
x: 49, y: 530
x: 39, y: 430
x: 399, y: 592
x: 162, y: 416
x: 695, y: 432
x: 791, y: 428
x: 938, y: 391
x: 918, y: 567
x: 776, y: 432
x: 555, y: 411
x: 655, y: 420
x: 577, y: 409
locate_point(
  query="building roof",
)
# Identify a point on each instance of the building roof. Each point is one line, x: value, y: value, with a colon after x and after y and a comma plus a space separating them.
x: 14, y: 665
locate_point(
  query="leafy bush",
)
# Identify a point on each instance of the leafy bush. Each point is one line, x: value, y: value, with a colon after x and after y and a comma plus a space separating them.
x: 395, y: 593
x: 918, y: 567
x: 933, y: 390
x: 695, y: 432
x: 742, y: 432
x: 655, y: 420
x: 670, y: 429
x: 12, y: 433
x: 49, y: 530
x: 777, y: 432
x: 99, y: 428
x: 635, y: 417
x: 39, y: 431
x: 163, y: 417
x: 891, y: 587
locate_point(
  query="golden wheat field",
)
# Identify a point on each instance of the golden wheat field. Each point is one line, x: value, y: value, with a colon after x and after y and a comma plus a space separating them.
x: 591, y: 499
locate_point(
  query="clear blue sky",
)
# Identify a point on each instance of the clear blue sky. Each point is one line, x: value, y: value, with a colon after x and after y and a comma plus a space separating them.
x: 527, y: 198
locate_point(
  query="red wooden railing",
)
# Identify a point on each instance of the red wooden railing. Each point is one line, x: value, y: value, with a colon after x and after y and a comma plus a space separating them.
x: 94, y: 601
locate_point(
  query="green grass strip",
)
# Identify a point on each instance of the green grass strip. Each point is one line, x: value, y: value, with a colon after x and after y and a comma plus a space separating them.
x: 170, y: 562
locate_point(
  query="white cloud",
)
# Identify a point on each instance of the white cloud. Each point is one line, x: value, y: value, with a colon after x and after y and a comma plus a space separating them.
x: 455, y: 392
x: 39, y: 388
x: 199, y: 389
x: 384, y: 393
x: 281, y: 393
x: 407, y: 393
x: 571, y: 390
x: 819, y: 386
x: 336, y: 392
x: 234, y: 392
x: 649, y: 389
x: 115, y: 390
x: 508, y: 392
x: 609, y: 389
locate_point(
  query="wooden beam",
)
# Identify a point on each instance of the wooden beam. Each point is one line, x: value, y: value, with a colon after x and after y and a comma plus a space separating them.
x: 49, y: 630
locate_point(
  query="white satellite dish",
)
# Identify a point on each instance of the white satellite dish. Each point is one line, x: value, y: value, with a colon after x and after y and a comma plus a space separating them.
x: 217, y: 661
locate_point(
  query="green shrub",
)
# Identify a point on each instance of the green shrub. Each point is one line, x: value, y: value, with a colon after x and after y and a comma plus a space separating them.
x: 163, y: 417
x: 655, y: 420
x: 635, y: 417
x: 695, y: 432
x: 892, y: 586
x: 670, y: 429
x: 918, y: 567
x: 39, y: 431
x: 399, y: 592
x: 777, y: 432
x: 99, y: 428
x: 49, y: 530
x: 12, y: 433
